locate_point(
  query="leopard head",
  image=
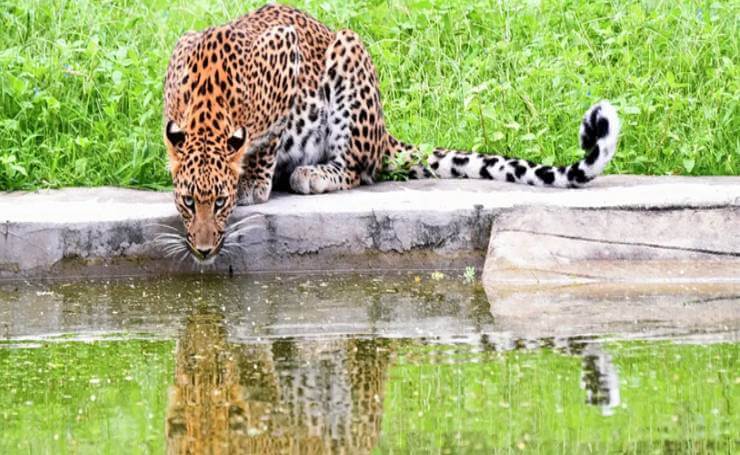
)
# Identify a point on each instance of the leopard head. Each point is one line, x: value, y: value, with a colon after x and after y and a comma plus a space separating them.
x: 205, y: 171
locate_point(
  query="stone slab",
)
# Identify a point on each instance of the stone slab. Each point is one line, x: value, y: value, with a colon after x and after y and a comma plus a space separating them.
x: 432, y: 224
x: 615, y: 270
x: 543, y: 246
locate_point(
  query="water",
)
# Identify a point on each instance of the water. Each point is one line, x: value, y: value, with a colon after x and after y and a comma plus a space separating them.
x: 345, y: 364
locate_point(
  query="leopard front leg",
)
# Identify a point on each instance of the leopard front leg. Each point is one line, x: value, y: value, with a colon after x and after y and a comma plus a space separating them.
x: 255, y: 184
x: 254, y: 191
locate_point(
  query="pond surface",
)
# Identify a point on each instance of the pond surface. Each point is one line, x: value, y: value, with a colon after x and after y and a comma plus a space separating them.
x: 343, y: 364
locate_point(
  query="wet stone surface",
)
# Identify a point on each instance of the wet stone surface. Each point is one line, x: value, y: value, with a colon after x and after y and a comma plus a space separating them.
x: 353, y: 363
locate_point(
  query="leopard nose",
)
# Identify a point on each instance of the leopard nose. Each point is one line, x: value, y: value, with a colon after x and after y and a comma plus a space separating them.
x: 204, y: 252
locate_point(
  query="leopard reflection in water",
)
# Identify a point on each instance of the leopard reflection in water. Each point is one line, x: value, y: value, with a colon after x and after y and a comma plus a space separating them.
x: 274, y: 397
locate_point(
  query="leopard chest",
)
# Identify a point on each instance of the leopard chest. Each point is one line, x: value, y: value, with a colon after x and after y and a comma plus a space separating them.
x: 304, y: 140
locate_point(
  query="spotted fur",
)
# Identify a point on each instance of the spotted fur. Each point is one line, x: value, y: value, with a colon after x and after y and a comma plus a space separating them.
x: 275, y: 98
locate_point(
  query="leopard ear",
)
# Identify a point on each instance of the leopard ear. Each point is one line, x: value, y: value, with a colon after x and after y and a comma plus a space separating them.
x: 237, y: 150
x: 175, y: 135
x: 174, y: 138
x: 237, y: 140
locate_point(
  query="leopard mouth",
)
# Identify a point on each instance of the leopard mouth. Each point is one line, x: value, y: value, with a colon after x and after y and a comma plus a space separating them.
x: 206, y: 258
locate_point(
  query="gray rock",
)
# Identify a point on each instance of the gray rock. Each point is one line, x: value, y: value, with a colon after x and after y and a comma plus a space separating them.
x: 432, y: 224
x: 544, y: 246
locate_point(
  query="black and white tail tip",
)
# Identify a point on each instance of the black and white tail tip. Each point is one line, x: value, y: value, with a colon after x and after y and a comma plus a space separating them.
x: 599, y: 133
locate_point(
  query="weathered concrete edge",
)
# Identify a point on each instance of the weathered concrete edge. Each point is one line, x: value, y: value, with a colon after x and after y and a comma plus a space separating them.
x: 582, y: 251
x: 427, y: 225
x: 380, y: 240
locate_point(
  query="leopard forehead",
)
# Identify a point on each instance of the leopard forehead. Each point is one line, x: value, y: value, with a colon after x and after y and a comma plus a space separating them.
x: 205, y: 176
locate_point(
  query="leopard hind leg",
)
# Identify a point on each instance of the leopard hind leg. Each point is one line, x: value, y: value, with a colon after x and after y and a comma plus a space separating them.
x: 355, y: 131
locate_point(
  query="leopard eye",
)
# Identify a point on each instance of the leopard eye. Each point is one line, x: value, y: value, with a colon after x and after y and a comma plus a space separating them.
x: 236, y: 141
x: 189, y: 202
x: 220, y: 203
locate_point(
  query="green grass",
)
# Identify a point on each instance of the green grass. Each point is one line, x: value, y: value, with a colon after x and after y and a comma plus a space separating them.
x: 81, y: 81
x: 76, y: 397
x: 675, y: 398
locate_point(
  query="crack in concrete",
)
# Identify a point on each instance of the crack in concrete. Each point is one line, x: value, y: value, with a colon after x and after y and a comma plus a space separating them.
x: 533, y: 270
x: 315, y: 250
x: 617, y: 242
x: 720, y: 298
x: 378, y: 230
x: 665, y: 208
x: 25, y: 241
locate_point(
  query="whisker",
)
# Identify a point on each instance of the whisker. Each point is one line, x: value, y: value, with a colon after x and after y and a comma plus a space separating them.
x: 230, y: 253
x: 167, y: 242
x: 173, y: 245
x: 173, y: 253
x: 230, y: 234
x: 237, y: 226
x: 243, y: 229
x: 232, y: 247
x: 168, y: 235
x: 170, y: 240
x: 183, y: 257
x: 245, y: 220
x: 237, y: 252
x: 169, y: 248
x: 163, y: 226
x: 193, y: 262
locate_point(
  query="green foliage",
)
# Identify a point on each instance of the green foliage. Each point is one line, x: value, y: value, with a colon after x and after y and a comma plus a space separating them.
x: 675, y: 398
x: 469, y: 275
x: 72, y: 397
x: 81, y: 82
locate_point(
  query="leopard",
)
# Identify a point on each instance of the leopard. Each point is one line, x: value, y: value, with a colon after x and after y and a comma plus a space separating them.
x: 274, y: 396
x: 277, y: 100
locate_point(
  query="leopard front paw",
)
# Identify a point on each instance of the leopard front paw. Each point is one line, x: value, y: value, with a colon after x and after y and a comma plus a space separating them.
x: 254, y: 193
x: 307, y: 180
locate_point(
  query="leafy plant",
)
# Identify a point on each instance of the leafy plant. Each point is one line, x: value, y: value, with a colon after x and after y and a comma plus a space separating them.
x: 469, y: 275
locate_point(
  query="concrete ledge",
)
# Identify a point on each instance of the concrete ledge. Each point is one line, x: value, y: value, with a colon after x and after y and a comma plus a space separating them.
x: 553, y: 247
x: 434, y: 224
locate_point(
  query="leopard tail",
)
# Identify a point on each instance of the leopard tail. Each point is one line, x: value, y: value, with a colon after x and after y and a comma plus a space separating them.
x: 599, y: 132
